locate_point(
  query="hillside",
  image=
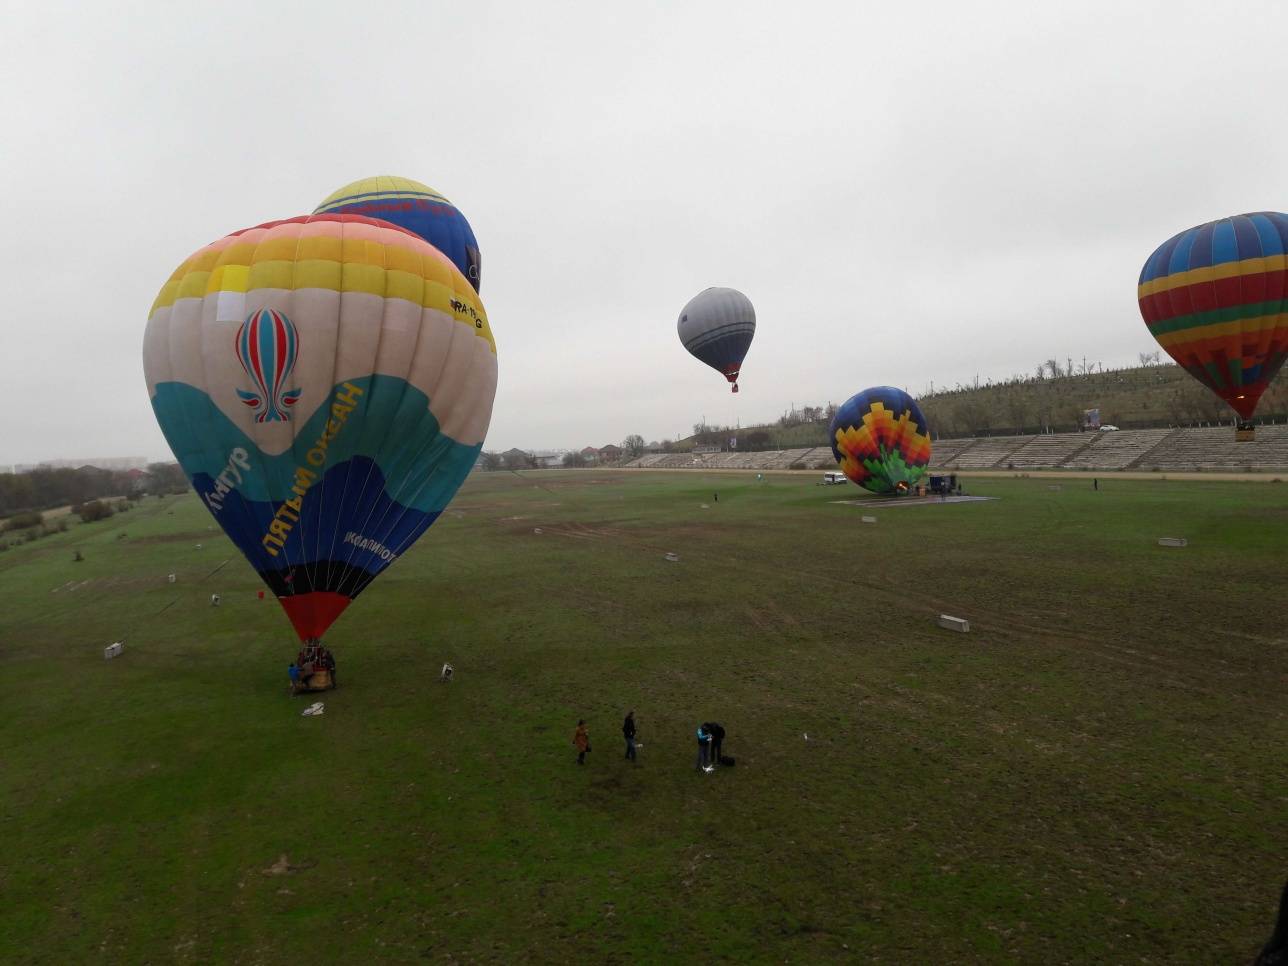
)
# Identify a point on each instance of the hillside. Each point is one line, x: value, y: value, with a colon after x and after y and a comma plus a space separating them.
x: 1139, y: 397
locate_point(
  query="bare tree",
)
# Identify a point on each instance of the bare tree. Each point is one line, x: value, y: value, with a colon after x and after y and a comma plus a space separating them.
x: 633, y: 444
x: 1017, y: 408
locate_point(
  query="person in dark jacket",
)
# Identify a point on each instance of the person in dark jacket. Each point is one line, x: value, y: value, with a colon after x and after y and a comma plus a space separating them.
x: 628, y: 732
x: 1275, y: 951
x: 717, y: 734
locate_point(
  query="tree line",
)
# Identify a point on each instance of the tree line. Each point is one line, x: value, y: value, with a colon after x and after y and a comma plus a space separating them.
x: 46, y: 487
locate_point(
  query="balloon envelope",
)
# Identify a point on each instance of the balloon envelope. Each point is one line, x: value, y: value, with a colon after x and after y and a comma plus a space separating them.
x: 326, y: 383
x: 416, y: 207
x: 880, y: 440
x: 717, y: 326
x: 1215, y: 298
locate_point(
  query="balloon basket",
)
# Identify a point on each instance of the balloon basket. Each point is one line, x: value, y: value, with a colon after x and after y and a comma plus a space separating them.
x: 317, y: 681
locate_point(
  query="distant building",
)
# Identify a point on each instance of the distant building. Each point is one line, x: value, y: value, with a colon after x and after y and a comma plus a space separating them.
x: 514, y: 458
x: 546, y: 459
x: 610, y: 453
x: 590, y: 455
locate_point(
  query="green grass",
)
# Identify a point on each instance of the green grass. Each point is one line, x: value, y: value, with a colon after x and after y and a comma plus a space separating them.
x: 1094, y: 774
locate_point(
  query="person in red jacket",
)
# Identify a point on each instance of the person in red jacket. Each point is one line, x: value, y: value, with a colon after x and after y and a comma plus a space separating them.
x: 581, y: 740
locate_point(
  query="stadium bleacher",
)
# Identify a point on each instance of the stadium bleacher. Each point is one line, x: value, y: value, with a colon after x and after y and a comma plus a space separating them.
x: 986, y: 453
x: 1119, y: 450
x: 943, y: 451
x: 1215, y: 449
x: 1198, y: 449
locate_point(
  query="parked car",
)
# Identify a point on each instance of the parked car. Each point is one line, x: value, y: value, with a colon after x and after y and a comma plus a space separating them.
x: 830, y: 478
x: 1108, y: 428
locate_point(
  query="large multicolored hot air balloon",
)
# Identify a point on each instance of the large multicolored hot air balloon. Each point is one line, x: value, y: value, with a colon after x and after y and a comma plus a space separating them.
x: 717, y: 326
x: 880, y: 440
x: 1216, y: 299
x: 416, y: 207
x: 326, y: 383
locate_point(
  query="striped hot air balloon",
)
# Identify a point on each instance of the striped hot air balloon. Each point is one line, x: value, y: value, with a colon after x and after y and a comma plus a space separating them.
x: 880, y: 440
x: 326, y: 383
x: 416, y: 207
x: 717, y: 326
x: 1216, y: 299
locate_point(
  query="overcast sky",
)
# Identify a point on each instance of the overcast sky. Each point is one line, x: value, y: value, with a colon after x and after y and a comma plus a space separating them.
x: 907, y: 192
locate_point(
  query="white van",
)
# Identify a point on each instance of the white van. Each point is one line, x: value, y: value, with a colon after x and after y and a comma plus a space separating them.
x: 830, y: 478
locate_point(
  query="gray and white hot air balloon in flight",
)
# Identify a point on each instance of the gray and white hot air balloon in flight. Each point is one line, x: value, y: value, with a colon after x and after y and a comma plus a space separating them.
x: 717, y: 326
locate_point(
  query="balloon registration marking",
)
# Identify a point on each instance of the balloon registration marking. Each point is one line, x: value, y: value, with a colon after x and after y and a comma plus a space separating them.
x: 267, y: 346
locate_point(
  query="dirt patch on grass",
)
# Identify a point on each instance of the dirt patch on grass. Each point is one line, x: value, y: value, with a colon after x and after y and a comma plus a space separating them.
x: 189, y: 536
x: 580, y: 531
x: 578, y: 481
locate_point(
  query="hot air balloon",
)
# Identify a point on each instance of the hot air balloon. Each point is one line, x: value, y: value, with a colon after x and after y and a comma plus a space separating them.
x: 880, y: 440
x: 1216, y: 297
x: 717, y: 326
x: 326, y: 383
x: 416, y: 207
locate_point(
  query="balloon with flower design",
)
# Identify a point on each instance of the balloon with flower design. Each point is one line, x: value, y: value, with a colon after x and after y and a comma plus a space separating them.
x: 880, y: 440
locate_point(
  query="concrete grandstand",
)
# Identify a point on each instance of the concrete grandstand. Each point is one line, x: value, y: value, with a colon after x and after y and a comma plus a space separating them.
x: 1179, y: 450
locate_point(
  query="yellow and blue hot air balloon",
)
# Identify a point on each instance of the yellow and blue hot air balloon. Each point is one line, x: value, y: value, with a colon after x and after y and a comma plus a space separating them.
x: 416, y: 207
x: 880, y: 440
x: 326, y: 383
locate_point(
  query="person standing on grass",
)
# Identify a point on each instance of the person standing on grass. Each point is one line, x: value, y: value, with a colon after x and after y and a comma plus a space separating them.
x: 628, y: 732
x: 704, y: 743
x: 717, y: 733
x: 581, y: 740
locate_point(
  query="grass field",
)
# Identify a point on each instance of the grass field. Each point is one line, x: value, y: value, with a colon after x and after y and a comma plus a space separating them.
x: 1094, y: 774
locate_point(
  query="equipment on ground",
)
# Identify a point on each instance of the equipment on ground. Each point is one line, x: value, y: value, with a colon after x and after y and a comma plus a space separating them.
x: 943, y: 485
